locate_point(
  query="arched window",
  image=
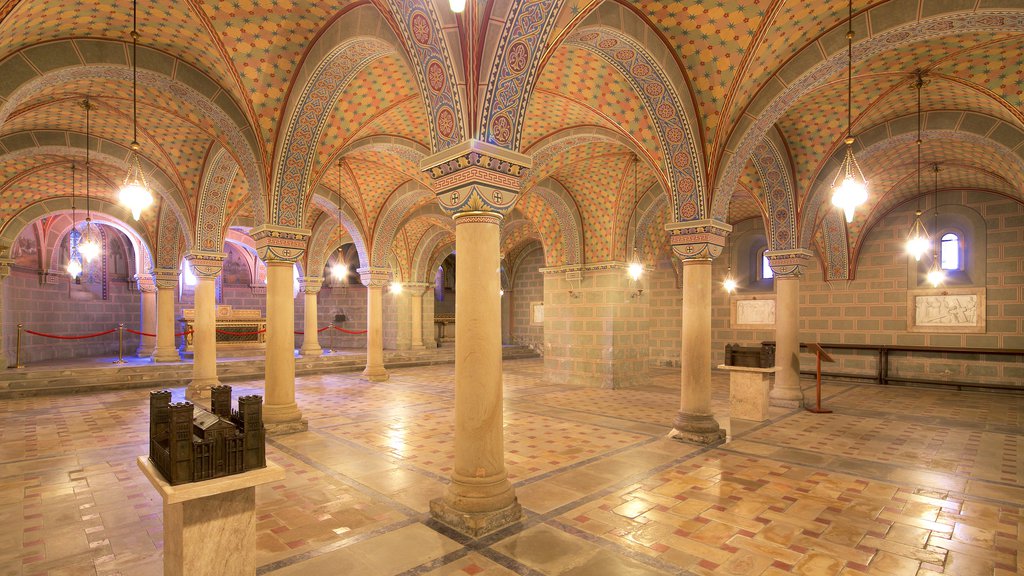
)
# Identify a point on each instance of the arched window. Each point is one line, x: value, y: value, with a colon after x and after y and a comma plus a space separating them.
x: 949, y: 252
x: 766, y: 269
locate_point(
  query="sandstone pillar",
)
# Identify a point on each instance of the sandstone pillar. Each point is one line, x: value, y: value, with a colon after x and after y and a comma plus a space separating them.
x: 147, y: 291
x: 310, y: 336
x: 477, y: 184
x: 206, y: 266
x: 166, y: 281
x: 375, y: 279
x: 788, y: 266
x: 5, y: 271
x: 417, y: 290
x: 697, y: 243
x: 280, y: 247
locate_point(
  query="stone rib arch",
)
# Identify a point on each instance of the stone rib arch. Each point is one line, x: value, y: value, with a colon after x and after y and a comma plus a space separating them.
x: 219, y: 173
x: 403, y: 148
x: 779, y: 194
x: 391, y: 217
x: 106, y: 152
x: 570, y: 221
x: 652, y: 203
x: 684, y: 162
x: 517, y: 233
x: 742, y: 145
x: 441, y: 252
x: 546, y: 150
x: 141, y: 260
x: 425, y: 43
x: 168, y: 240
x: 322, y: 243
x: 421, y: 270
x: 514, y: 69
x: 433, y: 213
x: 331, y: 203
x: 238, y: 137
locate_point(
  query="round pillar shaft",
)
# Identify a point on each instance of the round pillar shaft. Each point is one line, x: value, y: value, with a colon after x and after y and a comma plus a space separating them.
x: 375, y: 371
x: 787, y: 390
x: 310, y: 336
x: 280, y: 412
x: 204, y: 340
x: 147, y: 344
x: 417, y: 319
x: 695, y: 421
x: 165, y: 351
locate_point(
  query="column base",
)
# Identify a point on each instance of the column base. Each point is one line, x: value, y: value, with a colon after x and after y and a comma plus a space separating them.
x: 168, y: 355
x: 144, y: 352
x: 786, y: 398
x: 200, y: 389
x: 697, y: 428
x: 467, y: 505
x: 311, y: 352
x: 418, y: 347
x: 376, y: 374
x: 281, y: 419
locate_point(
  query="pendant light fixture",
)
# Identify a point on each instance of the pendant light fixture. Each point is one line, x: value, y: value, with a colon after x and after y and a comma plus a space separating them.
x: 74, y: 260
x: 89, y: 246
x: 636, y: 267
x: 339, y: 270
x: 135, y: 194
x: 457, y: 6
x: 917, y: 241
x: 936, y: 275
x: 849, y: 188
x: 729, y: 284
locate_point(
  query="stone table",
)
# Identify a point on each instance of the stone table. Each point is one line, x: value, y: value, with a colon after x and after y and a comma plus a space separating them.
x: 748, y: 391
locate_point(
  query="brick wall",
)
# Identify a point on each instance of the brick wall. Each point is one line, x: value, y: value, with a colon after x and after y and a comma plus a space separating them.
x: 665, y: 301
x: 527, y: 287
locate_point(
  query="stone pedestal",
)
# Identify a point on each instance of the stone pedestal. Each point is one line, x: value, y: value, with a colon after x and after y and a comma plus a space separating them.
x: 748, y: 392
x: 374, y: 279
x: 206, y: 267
x: 210, y: 526
x: 310, y: 336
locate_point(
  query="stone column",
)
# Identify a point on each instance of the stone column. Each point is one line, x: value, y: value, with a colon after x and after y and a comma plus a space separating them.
x: 788, y: 266
x: 5, y: 271
x: 697, y: 243
x: 280, y: 247
x: 166, y: 280
x: 147, y: 291
x: 206, y: 266
x: 375, y: 279
x: 477, y: 184
x: 310, y: 337
x: 416, y: 292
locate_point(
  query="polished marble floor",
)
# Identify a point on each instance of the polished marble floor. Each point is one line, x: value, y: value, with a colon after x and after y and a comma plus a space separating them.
x: 896, y: 481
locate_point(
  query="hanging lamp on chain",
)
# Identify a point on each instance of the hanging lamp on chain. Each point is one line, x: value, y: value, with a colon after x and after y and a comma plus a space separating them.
x: 918, y: 241
x: 339, y: 270
x: 135, y: 193
x: 89, y: 246
x: 936, y: 275
x: 74, y: 267
x: 849, y: 188
x: 636, y: 267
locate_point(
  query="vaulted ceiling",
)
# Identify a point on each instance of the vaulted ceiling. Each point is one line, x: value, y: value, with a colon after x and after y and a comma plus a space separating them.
x: 216, y: 75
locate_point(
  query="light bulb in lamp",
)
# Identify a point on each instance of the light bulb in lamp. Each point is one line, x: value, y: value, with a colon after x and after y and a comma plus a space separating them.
x: 917, y: 241
x: 848, y: 195
x: 457, y: 6
x: 936, y: 276
x: 396, y: 287
x: 339, y: 271
x: 635, y: 270
x: 74, y: 268
x: 729, y: 284
x: 89, y: 248
x: 136, y: 197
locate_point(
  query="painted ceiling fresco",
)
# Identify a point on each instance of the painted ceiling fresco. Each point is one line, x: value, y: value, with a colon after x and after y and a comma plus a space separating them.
x: 232, y: 75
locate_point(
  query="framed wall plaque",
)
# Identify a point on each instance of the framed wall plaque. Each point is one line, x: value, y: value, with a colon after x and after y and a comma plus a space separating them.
x: 951, y: 310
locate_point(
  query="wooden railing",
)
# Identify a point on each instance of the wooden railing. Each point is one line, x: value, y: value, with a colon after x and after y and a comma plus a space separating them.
x: 881, y: 376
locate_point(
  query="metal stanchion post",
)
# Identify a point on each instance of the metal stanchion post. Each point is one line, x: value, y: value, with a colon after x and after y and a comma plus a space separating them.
x: 120, y: 344
x: 332, y: 338
x: 17, y: 357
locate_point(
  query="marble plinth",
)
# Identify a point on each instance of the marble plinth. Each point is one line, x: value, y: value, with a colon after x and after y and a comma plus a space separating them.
x: 748, y: 392
x: 475, y: 524
x: 210, y: 526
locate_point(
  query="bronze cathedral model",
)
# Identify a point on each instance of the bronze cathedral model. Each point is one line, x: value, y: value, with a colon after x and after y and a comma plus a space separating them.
x: 188, y: 443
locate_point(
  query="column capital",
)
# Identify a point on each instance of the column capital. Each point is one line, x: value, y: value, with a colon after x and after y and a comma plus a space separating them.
x: 279, y: 243
x: 5, y: 266
x: 475, y: 177
x: 312, y: 284
x: 374, y: 277
x: 417, y: 288
x: 205, y: 264
x: 698, y: 239
x: 789, y: 263
x: 165, y: 278
x: 145, y: 282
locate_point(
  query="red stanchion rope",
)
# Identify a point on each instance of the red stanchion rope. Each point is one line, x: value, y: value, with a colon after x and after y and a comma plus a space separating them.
x: 34, y: 333
x: 300, y: 332
x: 185, y: 333
x: 140, y: 333
x: 350, y: 331
x: 226, y: 333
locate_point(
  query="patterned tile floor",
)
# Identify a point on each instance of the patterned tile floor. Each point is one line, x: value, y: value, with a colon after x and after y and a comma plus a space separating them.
x: 896, y: 481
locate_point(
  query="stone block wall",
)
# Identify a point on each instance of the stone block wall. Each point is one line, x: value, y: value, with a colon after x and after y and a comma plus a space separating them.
x: 664, y: 295
x: 527, y: 287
